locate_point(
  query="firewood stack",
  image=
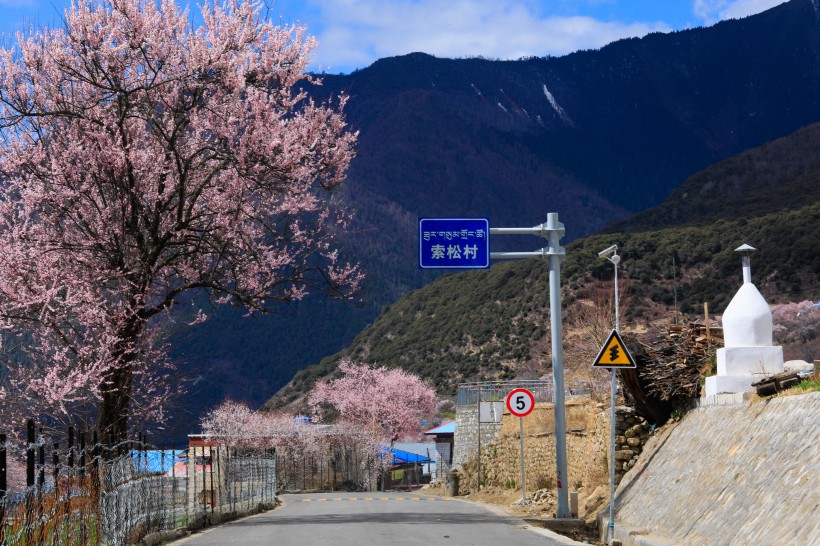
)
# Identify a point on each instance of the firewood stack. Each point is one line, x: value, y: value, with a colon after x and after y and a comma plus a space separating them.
x: 670, y: 368
x: 673, y: 365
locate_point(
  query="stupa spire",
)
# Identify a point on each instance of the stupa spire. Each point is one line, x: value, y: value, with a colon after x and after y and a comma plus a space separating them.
x: 746, y: 250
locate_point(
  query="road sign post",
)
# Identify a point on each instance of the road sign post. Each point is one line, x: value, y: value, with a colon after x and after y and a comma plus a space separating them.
x: 553, y: 231
x: 521, y: 402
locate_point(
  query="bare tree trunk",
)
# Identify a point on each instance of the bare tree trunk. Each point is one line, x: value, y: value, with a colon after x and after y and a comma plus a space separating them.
x: 114, y: 408
x: 112, y: 421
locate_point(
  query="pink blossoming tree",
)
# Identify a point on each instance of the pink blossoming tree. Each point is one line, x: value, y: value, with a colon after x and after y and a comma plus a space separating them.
x: 389, y: 402
x: 142, y: 159
x: 796, y: 322
x: 354, y: 450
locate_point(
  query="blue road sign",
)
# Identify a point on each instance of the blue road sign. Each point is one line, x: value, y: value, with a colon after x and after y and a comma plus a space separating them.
x: 454, y: 243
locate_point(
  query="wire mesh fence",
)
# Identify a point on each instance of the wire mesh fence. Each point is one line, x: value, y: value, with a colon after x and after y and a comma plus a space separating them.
x: 497, y: 391
x: 339, y: 467
x: 79, y: 491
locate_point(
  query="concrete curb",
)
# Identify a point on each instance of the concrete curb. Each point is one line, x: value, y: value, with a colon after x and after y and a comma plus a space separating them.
x: 631, y: 536
x: 525, y: 523
x: 202, y: 523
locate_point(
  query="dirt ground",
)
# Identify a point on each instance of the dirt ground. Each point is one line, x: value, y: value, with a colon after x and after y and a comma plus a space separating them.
x: 542, y: 504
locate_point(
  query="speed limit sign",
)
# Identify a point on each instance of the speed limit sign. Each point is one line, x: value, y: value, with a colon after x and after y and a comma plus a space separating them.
x: 520, y: 402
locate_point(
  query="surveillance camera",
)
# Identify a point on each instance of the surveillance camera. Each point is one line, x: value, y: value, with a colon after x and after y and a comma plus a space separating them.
x: 606, y: 252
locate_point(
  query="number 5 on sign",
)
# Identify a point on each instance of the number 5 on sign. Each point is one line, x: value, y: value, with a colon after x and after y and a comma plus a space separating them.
x: 520, y: 402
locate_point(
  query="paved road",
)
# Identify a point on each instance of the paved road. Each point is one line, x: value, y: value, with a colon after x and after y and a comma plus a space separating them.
x: 375, y: 519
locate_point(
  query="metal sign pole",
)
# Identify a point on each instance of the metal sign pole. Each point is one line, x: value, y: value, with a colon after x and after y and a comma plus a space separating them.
x: 437, y: 250
x: 612, y: 458
x: 521, y: 402
x: 554, y: 226
x: 523, y: 479
x: 553, y: 230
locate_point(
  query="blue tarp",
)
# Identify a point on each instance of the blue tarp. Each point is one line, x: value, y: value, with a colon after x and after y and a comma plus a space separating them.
x: 402, y: 457
x: 156, y: 460
x: 405, y: 457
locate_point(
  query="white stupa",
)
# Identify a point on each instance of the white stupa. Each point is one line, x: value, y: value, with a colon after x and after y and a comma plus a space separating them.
x: 747, y: 333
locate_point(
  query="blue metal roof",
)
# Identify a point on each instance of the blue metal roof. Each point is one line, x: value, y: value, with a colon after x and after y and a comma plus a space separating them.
x: 400, y: 456
x: 444, y: 428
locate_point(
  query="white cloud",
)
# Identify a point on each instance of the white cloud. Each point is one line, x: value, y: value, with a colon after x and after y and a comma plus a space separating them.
x: 712, y: 11
x: 354, y: 33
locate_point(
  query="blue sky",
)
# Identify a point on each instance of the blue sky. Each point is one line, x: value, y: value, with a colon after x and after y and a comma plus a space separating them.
x: 354, y: 33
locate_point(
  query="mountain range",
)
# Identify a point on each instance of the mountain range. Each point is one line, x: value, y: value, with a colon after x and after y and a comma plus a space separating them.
x: 595, y: 136
x: 490, y: 325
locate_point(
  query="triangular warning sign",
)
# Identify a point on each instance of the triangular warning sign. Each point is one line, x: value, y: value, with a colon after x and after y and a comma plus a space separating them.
x: 614, y: 354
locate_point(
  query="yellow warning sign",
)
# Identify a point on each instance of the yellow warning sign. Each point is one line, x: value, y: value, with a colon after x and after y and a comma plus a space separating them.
x: 614, y: 354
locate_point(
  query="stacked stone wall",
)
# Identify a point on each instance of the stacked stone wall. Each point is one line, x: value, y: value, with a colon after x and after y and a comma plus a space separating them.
x: 465, y: 442
x: 588, y: 445
x: 631, y: 433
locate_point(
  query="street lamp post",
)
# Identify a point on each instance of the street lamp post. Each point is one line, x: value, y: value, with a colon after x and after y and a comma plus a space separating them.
x: 611, y: 254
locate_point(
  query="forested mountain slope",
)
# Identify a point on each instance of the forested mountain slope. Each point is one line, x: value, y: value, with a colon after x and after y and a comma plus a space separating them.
x: 492, y: 324
x: 595, y: 136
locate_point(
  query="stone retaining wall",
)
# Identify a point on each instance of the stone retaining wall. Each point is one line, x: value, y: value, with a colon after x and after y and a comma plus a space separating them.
x: 631, y: 432
x: 745, y: 473
x: 588, y: 444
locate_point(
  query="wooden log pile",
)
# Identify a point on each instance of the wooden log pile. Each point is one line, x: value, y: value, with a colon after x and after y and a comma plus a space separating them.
x: 669, y: 368
x: 672, y: 366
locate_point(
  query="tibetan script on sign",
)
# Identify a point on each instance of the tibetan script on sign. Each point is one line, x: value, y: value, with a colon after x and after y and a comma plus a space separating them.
x: 454, y: 243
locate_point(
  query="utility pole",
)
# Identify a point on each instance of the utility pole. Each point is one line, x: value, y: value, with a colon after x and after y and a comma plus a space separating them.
x: 674, y: 288
x: 611, y: 254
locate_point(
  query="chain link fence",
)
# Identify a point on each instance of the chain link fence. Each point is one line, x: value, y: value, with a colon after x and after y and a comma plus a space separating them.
x: 497, y: 391
x: 68, y: 492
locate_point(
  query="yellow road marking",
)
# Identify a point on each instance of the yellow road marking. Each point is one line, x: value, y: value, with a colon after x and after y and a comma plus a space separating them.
x: 326, y: 499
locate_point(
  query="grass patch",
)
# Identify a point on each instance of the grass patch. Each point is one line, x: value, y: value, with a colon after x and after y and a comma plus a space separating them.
x: 809, y: 385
